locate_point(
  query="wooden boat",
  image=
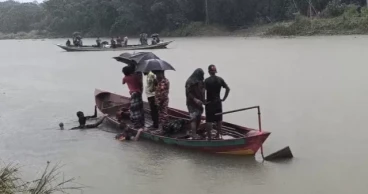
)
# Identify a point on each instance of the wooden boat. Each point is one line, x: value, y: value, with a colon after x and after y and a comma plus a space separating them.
x: 160, y: 45
x: 239, y: 140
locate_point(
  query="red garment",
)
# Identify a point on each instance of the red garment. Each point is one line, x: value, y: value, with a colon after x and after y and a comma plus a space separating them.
x: 134, y: 83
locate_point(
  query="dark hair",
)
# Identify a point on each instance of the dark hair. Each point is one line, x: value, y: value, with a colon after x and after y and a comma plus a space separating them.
x: 79, y: 114
x: 127, y: 70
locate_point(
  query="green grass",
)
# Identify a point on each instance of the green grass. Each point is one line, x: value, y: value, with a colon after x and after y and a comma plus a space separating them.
x: 50, y: 181
x: 350, y: 22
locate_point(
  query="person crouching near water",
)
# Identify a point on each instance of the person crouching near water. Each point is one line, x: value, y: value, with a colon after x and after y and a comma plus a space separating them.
x: 135, y: 85
x: 162, y: 98
x: 194, y: 87
x: 82, y: 121
x: 213, y: 85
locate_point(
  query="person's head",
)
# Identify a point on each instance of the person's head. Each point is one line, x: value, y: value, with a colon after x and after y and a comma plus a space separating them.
x: 80, y: 114
x: 61, y: 125
x: 199, y: 74
x: 212, y: 69
x: 196, y: 77
x: 145, y: 73
x: 133, y: 64
x: 160, y: 75
x: 127, y: 70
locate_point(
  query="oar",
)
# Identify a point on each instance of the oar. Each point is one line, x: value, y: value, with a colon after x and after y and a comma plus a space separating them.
x: 284, y: 153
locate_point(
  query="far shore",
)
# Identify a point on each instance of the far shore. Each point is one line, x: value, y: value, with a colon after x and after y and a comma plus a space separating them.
x: 304, y: 28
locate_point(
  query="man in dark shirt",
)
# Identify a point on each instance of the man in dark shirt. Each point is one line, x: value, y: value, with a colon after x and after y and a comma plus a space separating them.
x: 213, y: 85
x: 82, y: 120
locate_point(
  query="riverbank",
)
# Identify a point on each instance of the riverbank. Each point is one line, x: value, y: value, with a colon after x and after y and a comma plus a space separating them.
x: 347, y: 24
x: 195, y: 29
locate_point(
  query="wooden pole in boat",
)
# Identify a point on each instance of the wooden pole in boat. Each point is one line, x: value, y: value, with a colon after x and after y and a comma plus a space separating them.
x: 281, y: 154
x: 260, y: 128
x: 237, y: 110
x: 259, y: 119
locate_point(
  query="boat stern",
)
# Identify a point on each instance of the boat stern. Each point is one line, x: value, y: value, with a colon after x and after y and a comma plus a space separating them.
x: 252, y: 143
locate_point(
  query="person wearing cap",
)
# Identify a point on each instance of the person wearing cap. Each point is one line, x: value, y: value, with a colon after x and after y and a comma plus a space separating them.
x: 213, y: 85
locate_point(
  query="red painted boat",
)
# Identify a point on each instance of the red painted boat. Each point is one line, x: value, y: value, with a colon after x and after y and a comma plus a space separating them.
x: 237, y: 140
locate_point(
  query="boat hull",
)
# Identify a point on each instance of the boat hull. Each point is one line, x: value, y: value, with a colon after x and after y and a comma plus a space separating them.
x: 161, y: 45
x: 247, y: 145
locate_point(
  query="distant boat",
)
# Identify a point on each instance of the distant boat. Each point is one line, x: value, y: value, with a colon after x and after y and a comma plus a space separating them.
x: 237, y: 140
x: 160, y: 45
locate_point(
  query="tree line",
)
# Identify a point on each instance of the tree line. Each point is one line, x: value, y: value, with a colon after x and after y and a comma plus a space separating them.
x: 131, y: 17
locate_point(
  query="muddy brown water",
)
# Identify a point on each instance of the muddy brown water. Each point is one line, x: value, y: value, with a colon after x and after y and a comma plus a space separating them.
x: 312, y: 92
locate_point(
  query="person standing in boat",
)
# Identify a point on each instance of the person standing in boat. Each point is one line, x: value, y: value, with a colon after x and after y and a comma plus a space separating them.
x: 213, y: 85
x: 162, y: 97
x: 194, y: 88
x: 135, y: 86
x: 98, y: 42
x: 119, y: 42
x: 82, y: 120
x: 145, y: 39
x: 141, y: 38
x: 150, y: 92
x: 113, y: 43
x: 68, y: 43
x: 125, y: 42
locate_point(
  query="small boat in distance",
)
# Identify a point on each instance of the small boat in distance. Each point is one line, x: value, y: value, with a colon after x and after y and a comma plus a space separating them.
x: 237, y: 140
x: 160, y: 45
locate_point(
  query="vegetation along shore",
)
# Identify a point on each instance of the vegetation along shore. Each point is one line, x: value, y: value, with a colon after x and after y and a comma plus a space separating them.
x: 60, y: 18
x: 50, y: 181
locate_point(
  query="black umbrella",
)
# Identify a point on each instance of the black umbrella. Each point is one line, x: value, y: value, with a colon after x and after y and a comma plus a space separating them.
x: 137, y: 57
x: 75, y: 34
x: 155, y: 35
x: 154, y: 65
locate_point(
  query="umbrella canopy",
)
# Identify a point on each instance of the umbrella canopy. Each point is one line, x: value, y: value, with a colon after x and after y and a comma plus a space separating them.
x: 154, y: 35
x: 137, y: 57
x: 154, y: 65
x: 76, y: 34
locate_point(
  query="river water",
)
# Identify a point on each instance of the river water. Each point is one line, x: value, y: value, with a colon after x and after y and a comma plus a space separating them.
x: 312, y: 92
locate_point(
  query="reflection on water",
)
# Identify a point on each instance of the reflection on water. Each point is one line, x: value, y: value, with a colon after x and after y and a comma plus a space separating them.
x: 312, y: 92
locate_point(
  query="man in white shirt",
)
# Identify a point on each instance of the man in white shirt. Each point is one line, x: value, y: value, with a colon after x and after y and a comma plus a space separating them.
x: 150, y: 92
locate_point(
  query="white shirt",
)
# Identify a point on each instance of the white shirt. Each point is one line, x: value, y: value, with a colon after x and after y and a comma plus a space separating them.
x: 150, y: 88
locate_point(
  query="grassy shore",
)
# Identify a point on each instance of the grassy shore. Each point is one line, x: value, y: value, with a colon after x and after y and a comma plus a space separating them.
x: 346, y: 20
x: 49, y: 182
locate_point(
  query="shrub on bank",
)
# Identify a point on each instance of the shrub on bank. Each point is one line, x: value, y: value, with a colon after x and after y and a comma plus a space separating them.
x: 350, y: 21
x: 49, y: 182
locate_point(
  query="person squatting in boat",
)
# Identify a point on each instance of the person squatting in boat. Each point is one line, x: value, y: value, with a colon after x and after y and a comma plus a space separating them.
x: 82, y: 121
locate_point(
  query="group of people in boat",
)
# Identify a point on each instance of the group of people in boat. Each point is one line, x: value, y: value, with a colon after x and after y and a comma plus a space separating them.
x: 77, y: 41
x: 201, y: 94
x: 144, y: 40
x: 116, y: 42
